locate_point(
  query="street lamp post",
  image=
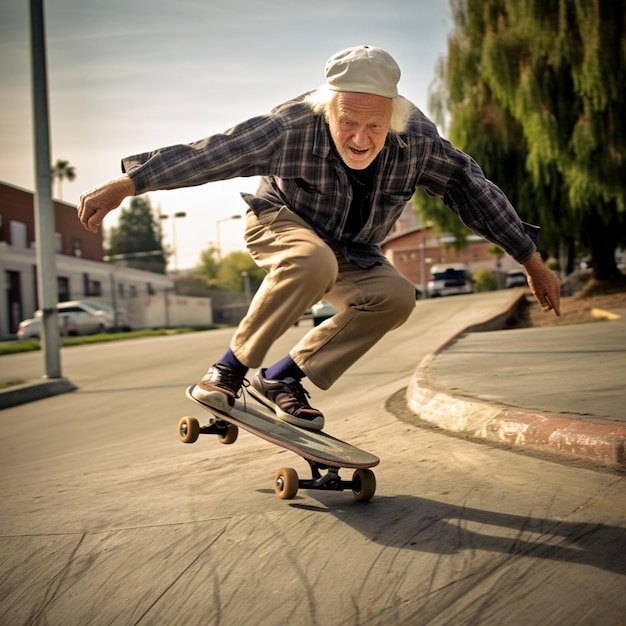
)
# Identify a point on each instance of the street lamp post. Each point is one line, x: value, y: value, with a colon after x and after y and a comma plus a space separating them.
x: 164, y: 216
x: 423, y: 261
x: 218, y: 241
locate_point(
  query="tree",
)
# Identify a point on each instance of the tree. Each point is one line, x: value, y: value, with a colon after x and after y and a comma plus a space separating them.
x: 208, y: 266
x: 233, y: 270
x: 534, y: 91
x: 229, y: 273
x: 137, y: 238
x: 62, y: 170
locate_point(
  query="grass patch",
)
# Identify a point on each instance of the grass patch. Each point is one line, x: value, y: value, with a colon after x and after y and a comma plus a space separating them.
x: 29, y: 345
x: 10, y: 383
x: 13, y: 347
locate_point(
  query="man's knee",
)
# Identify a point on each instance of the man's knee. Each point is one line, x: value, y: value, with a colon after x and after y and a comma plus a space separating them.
x: 405, y: 303
x: 397, y: 300
x: 315, y: 263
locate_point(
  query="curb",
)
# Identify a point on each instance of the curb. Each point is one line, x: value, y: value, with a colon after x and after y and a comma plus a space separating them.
x: 601, y: 442
x: 29, y: 392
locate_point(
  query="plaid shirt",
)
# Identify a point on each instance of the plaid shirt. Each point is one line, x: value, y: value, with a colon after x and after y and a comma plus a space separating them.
x: 292, y: 150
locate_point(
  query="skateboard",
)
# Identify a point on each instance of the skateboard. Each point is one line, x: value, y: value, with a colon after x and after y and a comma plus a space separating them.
x: 325, y: 454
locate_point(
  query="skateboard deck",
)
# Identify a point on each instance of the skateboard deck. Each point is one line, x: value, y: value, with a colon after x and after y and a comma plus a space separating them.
x: 319, y: 449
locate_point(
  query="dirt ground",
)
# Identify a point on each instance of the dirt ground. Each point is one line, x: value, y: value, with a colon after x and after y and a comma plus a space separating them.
x: 576, y: 309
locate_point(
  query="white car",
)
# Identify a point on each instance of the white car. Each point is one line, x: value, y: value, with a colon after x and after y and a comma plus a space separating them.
x: 449, y: 280
x: 516, y: 278
x: 76, y: 317
x: 116, y: 318
x: 321, y: 311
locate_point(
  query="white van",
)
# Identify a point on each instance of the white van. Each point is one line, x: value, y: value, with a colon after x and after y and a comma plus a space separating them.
x: 449, y: 280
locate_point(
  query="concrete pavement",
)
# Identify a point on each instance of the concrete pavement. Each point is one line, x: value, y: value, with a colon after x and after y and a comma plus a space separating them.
x: 555, y: 389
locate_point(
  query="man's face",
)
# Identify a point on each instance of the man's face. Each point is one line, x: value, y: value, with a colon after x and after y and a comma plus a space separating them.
x: 359, y: 124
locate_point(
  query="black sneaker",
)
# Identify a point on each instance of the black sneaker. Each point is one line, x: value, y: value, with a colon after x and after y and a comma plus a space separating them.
x: 219, y: 388
x: 288, y: 399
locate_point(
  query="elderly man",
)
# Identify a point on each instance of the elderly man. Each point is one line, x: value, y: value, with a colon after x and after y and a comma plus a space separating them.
x: 337, y: 167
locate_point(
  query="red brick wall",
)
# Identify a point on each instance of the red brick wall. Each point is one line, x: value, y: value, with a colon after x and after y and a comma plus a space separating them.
x: 17, y: 205
x: 405, y: 253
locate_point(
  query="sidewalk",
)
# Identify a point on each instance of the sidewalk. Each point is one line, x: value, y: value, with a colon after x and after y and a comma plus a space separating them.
x: 556, y: 389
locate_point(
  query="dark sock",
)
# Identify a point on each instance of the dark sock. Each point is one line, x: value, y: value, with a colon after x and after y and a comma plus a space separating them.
x: 233, y: 362
x: 285, y: 368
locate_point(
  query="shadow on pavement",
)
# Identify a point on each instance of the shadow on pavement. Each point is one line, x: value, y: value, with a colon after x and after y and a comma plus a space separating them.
x: 442, y: 528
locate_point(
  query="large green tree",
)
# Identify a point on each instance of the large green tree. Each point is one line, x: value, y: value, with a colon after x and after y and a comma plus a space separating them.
x: 533, y: 89
x: 137, y: 237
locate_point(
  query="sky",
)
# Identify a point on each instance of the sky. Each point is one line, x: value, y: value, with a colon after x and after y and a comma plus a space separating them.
x: 129, y: 77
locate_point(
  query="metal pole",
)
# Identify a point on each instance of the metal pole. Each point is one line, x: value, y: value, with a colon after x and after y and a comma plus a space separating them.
x: 423, y: 267
x: 218, y: 241
x: 44, y: 207
x: 218, y: 234
x: 174, y: 243
x: 114, y: 301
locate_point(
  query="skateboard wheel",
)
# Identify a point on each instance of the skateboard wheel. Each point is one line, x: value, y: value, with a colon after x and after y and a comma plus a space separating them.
x: 188, y: 429
x: 286, y: 483
x: 363, y: 485
x: 230, y: 436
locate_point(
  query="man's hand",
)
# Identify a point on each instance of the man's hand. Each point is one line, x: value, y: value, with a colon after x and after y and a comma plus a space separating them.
x: 97, y: 202
x: 544, y: 284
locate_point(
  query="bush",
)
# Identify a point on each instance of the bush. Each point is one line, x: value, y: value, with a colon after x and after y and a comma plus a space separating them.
x: 484, y: 280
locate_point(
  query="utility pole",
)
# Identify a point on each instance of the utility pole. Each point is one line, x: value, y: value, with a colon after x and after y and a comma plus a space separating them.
x: 44, y: 207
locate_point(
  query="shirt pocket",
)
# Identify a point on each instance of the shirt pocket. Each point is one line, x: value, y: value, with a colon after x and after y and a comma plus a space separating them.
x: 312, y: 201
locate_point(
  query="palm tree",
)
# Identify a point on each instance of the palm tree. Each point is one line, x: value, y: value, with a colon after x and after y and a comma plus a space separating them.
x: 60, y: 170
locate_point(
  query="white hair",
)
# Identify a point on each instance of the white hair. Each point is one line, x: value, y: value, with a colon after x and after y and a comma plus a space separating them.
x: 320, y: 100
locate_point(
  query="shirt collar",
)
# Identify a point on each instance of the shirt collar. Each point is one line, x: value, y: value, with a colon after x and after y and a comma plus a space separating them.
x: 322, y: 144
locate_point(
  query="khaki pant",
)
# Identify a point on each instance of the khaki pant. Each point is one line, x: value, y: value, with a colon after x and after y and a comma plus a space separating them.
x: 302, y: 269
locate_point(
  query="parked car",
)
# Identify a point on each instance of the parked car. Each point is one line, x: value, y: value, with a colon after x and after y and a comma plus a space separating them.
x: 31, y: 328
x: 450, y: 279
x: 516, y: 278
x: 321, y: 311
x: 116, y: 318
x: 75, y: 317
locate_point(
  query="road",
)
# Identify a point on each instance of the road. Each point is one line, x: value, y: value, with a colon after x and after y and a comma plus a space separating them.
x: 107, y: 518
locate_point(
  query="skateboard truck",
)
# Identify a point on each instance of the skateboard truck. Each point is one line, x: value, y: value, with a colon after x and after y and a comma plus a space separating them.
x: 331, y: 480
x: 287, y: 483
x: 214, y: 426
x: 189, y: 430
x: 363, y: 483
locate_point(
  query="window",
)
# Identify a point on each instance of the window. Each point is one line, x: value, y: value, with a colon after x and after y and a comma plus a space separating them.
x: 91, y: 287
x: 63, y: 288
x: 18, y: 234
x: 95, y: 288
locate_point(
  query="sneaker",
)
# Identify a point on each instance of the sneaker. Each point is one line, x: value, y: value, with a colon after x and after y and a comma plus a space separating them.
x: 219, y: 388
x: 288, y: 399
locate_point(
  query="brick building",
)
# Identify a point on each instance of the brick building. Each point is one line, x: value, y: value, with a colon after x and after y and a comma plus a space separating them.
x: 413, y: 249
x: 81, y: 272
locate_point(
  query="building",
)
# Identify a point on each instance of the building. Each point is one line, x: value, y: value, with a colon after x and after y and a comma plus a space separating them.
x: 413, y: 249
x: 147, y: 298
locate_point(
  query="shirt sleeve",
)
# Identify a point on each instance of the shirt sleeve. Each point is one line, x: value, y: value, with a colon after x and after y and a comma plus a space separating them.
x: 482, y: 206
x: 245, y: 150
